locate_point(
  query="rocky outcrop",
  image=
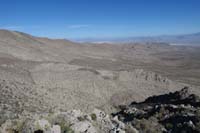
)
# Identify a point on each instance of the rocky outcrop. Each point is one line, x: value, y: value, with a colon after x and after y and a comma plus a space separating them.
x: 173, y: 112
x: 73, y: 121
x: 168, y: 113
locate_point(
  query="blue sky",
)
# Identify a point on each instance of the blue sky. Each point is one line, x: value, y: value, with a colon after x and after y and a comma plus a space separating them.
x: 100, y: 18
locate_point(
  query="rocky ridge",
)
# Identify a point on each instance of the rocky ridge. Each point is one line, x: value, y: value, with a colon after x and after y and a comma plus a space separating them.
x: 168, y: 113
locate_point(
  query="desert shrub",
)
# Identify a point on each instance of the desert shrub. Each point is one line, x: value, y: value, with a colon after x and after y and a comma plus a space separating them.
x: 169, y: 126
x: 94, y: 117
x: 65, y: 128
x: 18, y: 126
x: 64, y: 125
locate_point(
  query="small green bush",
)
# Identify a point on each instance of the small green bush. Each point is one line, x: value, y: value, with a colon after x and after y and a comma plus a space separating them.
x: 65, y: 128
x: 169, y: 126
x: 94, y: 117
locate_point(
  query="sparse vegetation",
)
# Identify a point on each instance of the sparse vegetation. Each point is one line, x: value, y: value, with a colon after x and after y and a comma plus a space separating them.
x: 169, y: 126
x: 93, y: 116
x: 65, y: 128
x: 19, y: 126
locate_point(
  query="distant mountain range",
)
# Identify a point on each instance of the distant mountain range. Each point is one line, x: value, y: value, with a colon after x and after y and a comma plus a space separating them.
x: 184, y: 39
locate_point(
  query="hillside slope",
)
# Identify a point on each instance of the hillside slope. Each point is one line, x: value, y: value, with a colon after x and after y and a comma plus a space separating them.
x: 61, y: 75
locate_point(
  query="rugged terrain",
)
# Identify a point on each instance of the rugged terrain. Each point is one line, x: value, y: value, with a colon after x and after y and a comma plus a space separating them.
x: 41, y: 75
x: 174, y: 112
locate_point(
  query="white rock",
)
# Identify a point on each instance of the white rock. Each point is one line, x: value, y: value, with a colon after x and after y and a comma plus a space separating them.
x: 43, y: 124
x: 5, y: 127
x: 118, y: 123
x: 55, y: 129
x: 135, y: 130
x: 83, y: 126
x: 100, y: 114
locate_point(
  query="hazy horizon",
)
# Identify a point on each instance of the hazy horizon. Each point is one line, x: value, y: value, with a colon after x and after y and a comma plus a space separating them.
x: 101, y: 19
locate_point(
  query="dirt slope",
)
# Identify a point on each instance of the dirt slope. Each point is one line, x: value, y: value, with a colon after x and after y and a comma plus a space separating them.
x: 65, y: 75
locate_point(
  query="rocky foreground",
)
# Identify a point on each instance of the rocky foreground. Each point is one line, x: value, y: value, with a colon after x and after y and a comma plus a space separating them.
x: 168, y: 113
